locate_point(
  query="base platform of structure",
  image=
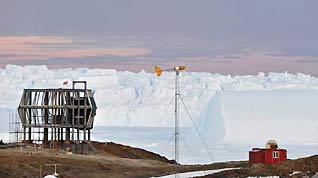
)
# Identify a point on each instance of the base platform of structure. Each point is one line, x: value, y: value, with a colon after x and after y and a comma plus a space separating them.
x: 83, y: 147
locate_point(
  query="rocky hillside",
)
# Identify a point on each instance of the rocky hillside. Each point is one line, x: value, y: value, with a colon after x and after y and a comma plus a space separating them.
x: 290, y: 168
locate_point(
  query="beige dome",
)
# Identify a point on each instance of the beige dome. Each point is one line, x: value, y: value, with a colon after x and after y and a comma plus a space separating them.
x: 271, y: 144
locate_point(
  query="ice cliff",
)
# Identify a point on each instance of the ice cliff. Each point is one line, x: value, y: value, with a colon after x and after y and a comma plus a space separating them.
x: 226, y: 108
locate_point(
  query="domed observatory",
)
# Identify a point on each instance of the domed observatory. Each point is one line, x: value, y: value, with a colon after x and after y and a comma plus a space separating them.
x: 57, y: 115
x: 269, y: 155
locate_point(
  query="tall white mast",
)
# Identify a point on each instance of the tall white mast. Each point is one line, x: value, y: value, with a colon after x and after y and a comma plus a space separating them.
x: 176, y: 111
x: 176, y: 126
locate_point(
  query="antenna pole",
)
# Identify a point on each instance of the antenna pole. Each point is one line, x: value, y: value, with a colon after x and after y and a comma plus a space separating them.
x: 177, y: 69
x: 176, y: 132
x: 55, y: 173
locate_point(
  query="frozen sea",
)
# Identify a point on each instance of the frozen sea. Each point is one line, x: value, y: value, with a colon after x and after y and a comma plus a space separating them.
x: 161, y: 140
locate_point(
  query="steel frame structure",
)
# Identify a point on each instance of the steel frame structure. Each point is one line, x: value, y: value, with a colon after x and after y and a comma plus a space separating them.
x: 57, y: 114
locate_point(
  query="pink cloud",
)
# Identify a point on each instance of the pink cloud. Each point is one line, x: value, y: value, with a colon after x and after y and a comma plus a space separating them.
x: 34, y: 39
x: 38, y: 48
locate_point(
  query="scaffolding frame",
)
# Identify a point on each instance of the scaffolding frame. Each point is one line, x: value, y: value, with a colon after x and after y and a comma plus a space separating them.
x: 15, y: 132
x: 57, y: 114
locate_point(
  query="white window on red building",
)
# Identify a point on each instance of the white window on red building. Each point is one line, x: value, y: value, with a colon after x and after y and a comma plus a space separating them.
x: 275, y: 154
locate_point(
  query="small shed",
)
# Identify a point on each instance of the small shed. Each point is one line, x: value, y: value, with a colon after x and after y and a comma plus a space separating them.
x: 269, y: 155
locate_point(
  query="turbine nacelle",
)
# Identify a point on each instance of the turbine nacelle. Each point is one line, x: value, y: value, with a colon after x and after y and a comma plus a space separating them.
x: 159, y: 71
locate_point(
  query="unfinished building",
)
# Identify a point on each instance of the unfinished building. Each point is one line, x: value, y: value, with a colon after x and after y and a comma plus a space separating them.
x: 57, y: 115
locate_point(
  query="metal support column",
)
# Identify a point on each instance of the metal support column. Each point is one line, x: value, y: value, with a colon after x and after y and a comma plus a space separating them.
x: 85, y: 110
x: 177, y: 117
x: 46, y: 119
x: 30, y: 116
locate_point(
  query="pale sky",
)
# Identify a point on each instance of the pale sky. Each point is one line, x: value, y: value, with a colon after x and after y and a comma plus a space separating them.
x: 223, y: 36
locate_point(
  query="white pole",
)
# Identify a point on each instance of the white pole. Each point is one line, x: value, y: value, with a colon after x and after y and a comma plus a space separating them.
x: 177, y: 116
x: 177, y: 69
x: 55, y: 173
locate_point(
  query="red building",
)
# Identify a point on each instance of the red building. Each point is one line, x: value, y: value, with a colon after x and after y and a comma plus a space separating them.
x: 269, y: 155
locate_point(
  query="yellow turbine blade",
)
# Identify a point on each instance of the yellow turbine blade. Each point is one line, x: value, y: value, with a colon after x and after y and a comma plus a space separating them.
x: 158, y: 71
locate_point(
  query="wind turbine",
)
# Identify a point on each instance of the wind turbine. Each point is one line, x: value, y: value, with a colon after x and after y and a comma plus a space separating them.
x: 177, y: 69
